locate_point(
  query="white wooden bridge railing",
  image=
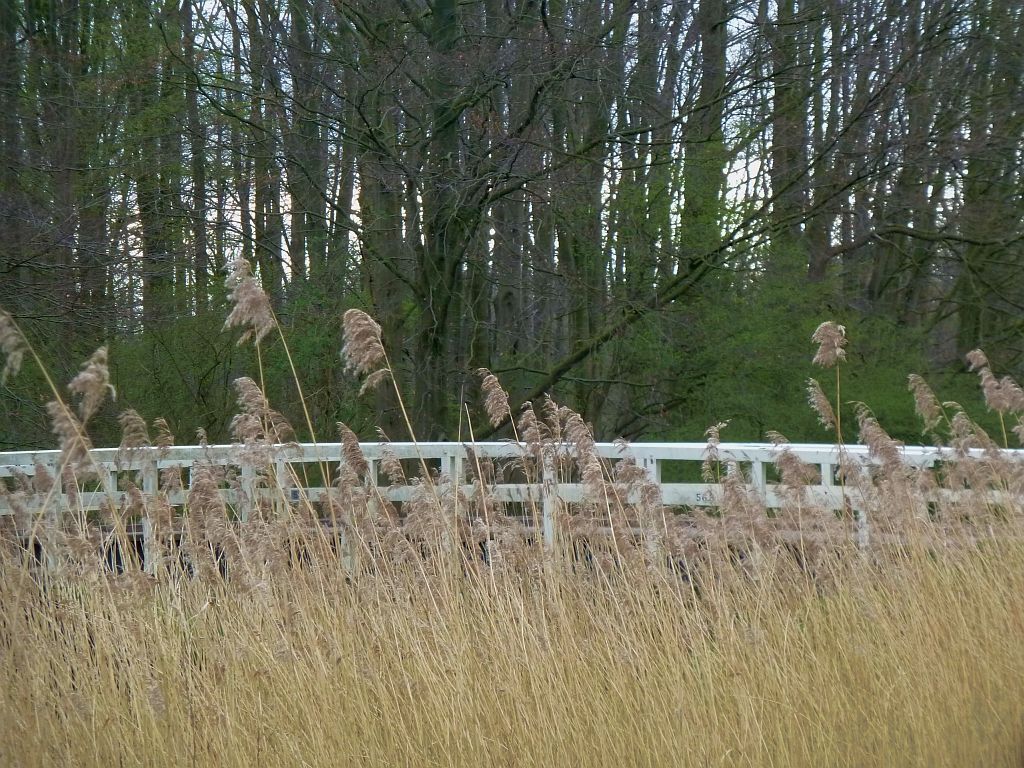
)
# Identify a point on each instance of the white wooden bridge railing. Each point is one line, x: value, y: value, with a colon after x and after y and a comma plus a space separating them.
x: 305, y: 463
x: 299, y: 472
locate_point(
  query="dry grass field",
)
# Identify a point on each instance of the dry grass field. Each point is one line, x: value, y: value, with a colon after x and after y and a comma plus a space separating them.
x: 914, y: 661
x: 703, y: 640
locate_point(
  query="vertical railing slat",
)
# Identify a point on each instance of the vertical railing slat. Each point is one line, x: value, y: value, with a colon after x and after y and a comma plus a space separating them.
x: 247, y: 486
x: 150, y: 485
x: 549, y: 503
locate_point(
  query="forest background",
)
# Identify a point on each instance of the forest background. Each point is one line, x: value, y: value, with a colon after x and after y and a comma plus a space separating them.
x: 641, y: 207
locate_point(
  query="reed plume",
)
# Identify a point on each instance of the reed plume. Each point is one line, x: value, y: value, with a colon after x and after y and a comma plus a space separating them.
x: 204, y: 499
x: 353, y: 454
x: 820, y: 404
x: 164, y: 435
x: 362, y: 350
x: 976, y: 360
x: 794, y: 472
x: 134, y: 433
x: 42, y: 480
x: 530, y: 429
x: 12, y: 344
x: 495, y: 398
x: 258, y: 421
x: 709, y: 467
x: 1004, y: 396
x: 995, y: 397
x: 92, y: 383
x: 580, y: 436
x: 831, y: 340
x: 1014, y: 395
x: 554, y: 416
x: 968, y: 434
x: 390, y: 464
x: 73, y: 441
x: 925, y: 402
x: 250, y: 304
x: 880, y: 444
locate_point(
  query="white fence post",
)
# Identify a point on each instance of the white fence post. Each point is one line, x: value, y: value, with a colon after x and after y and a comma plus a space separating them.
x: 247, y: 487
x: 150, y: 485
x: 863, y: 523
x: 654, y: 538
x: 652, y: 467
x: 759, y: 479
x: 549, y: 499
x: 52, y: 512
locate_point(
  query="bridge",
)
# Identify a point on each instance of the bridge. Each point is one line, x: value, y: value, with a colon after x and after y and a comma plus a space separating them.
x: 303, y: 472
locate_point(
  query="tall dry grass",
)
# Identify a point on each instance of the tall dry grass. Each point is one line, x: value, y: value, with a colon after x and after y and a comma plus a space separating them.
x: 353, y: 632
x: 913, y: 663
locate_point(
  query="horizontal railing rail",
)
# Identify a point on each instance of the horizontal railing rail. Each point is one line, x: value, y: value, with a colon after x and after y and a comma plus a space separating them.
x: 305, y: 470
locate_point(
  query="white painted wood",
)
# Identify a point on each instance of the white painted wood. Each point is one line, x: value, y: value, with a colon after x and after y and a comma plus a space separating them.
x: 550, y: 492
x: 452, y: 456
x: 248, y: 486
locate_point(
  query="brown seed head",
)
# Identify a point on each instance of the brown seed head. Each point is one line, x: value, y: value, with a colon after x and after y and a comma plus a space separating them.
x: 390, y: 464
x: 92, y: 383
x: 880, y: 444
x: 830, y: 338
x: 817, y: 400
x: 169, y: 479
x: 251, y: 307
x: 714, y: 433
x: 258, y: 421
x: 374, y: 380
x: 628, y: 472
x: 591, y: 473
x: 12, y: 344
x: 204, y: 499
x: 74, y: 443
x: 363, y: 351
x: 530, y: 428
x: 578, y: 433
x: 708, y: 466
x: 495, y: 398
x: 246, y: 427
x: 968, y: 434
x: 794, y: 472
x: 250, y: 397
x: 352, y: 452
x: 1013, y: 393
x: 976, y: 360
x: 134, y: 433
x: 42, y: 480
x: 164, y: 436
x: 346, y: 477
x: 554, y: 416
x: 995, y: 397
x: 925, y: 402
